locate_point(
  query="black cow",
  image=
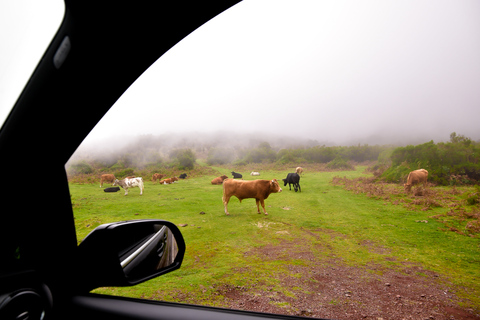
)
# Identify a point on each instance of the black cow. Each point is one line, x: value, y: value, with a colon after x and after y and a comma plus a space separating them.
x: 292, y: 178
x: 236, y: 175
x: 182, y: 176
x: 112, y: 189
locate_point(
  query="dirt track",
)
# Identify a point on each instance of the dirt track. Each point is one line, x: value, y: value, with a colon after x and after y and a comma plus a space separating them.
x: 335, y: 290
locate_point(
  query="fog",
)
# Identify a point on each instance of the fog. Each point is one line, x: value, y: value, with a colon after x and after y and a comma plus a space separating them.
x: 312, y: 72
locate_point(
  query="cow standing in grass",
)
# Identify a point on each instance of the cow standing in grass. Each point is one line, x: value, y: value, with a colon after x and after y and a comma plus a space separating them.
x: 130, y: 183
x: 106, y: 178
x: 292, y: 178
x: 416, y: 177
x: 299, y: 170
x: 157, y: 176
x: 257, y: 189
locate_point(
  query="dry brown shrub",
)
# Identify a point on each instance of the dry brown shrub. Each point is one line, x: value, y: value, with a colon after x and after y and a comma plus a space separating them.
x: 473, y: 226
x: 457, y: 219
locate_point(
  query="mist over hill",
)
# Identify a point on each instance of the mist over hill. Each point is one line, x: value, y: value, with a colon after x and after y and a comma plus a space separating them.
x: 153, y: 147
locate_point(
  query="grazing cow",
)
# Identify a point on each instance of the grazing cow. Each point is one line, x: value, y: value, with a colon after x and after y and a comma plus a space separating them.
x: 130, y: 183
x: 293, y: 178
x: 112, y: 189
x: 254, y: 173
x: 182, y: 176
x: 219, y: 180
x: 299, y: 170
x: 257, y: 189
x: 106, y: 178
x: 236, y: 175
x: 157, y: 176
x: 416, y: 177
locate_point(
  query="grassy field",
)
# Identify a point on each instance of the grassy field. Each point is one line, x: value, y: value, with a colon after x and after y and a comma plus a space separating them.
x: 324, y: 219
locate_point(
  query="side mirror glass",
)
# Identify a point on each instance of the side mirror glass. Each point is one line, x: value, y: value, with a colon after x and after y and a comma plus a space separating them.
x: 129, y: 252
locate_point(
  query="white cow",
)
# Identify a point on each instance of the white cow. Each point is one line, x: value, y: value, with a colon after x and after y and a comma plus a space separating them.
x: 130, y: 183
x: 255, y: 173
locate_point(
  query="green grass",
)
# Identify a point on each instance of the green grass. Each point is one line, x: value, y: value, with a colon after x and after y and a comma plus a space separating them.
x: 325, y: 220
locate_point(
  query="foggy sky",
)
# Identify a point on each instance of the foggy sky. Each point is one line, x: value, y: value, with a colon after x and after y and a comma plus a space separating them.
x: 340, y: 72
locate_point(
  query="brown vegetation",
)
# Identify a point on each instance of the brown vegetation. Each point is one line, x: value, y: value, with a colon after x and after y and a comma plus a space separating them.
x: 462, y: 217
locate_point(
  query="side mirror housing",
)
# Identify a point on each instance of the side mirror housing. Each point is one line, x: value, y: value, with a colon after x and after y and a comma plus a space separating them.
x: 129, y: 252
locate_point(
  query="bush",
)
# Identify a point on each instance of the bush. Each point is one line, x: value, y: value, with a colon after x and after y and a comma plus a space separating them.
x: 183, y: 159
x: 125, y: 173
x: 340, y: 163
x: 459, y: 157
x: 81, y: 167
x: 263, y: 153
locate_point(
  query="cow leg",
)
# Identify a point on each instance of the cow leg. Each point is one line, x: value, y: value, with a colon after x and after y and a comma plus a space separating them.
x: 263, y: 206
x: 258, y: 206
x: 126, y: 191
x: 225, y: 204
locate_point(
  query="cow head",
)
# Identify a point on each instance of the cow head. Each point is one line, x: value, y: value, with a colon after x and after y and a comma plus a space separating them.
x: 407, y: 187
x: 274, y: 186
x: 115, y: 183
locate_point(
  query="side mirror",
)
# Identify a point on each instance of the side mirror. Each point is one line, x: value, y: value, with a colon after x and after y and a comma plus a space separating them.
x: 129, y: 252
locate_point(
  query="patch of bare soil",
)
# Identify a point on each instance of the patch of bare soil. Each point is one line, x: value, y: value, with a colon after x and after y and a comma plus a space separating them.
x: 335, y: 290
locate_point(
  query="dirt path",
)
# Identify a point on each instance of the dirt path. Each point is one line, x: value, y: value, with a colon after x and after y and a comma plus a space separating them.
x: 334, y: 290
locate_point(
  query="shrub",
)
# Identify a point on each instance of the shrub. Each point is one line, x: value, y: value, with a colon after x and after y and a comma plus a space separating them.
x: 340, y: 163
x: 125, y: 173
x: 183, y: 158
x: 459, y: 157
x: 81, y: 167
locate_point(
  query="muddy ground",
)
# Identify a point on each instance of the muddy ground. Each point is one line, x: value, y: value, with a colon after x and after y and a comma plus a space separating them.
x: 334, y: 290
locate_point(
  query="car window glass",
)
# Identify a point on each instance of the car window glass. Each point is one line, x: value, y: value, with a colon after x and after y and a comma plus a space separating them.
x: 26, y: 29
x: 265, y: 87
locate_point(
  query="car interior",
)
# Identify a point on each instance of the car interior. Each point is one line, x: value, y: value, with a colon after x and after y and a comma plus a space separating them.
x: 100, y: 49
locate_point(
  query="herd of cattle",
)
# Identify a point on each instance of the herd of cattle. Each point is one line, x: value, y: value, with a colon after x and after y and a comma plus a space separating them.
x: 243, y: 189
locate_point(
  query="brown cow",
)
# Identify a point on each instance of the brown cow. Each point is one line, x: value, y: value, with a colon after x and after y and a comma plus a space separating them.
x: 157, y: 176
x: 416, y: 177
x: 106, y: 178
x: 169, y: 180
x: 243, y: 189
x: 299, y: 170
x: 219, y: 180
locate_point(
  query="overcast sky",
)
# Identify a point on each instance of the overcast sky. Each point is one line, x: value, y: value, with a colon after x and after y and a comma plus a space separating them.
x: 335, y: 71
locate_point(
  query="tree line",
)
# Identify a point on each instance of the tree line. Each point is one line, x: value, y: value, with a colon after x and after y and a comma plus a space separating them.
x: 455, y: 161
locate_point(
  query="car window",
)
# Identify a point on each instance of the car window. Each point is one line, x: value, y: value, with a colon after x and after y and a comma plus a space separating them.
x: 26, y: 29
x: 343, y: 89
